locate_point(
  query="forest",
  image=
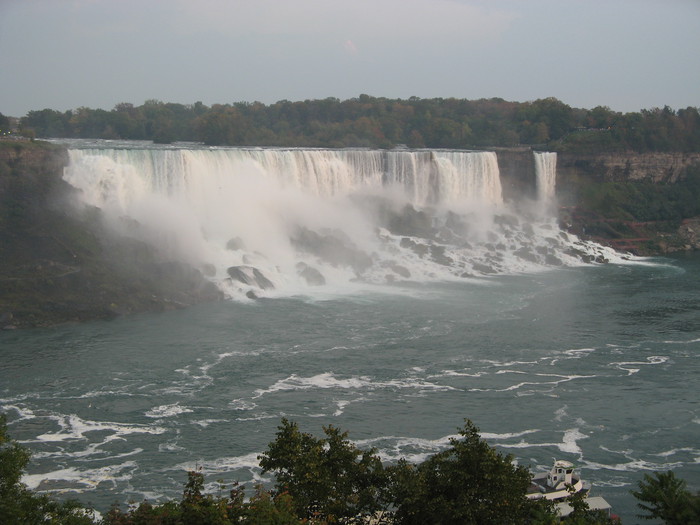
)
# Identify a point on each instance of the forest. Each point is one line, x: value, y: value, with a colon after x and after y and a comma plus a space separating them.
x: 372, y: 122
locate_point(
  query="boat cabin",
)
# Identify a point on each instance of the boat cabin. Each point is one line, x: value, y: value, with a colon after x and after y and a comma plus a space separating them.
x: 562, y: 474
x: 557, y: 484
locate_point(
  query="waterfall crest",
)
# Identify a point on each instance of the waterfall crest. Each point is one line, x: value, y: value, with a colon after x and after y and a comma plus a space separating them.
x: 294, y: 221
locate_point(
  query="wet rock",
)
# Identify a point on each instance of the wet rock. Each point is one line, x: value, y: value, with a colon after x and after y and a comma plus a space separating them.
x: 437, y: 254
x: 333, y: 247
x: 402, y: 271
x: 418, y: 248
x: 552, y: 260
x: 235, y: 244
x: 251, y: 276
x: 525, y: 253
x: 410, y: 221
x: 507, y: 220
x: 483, y: 268
x: 311, y: 275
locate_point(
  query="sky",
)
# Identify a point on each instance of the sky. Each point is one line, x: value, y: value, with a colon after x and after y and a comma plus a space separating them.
x: 624, y: 54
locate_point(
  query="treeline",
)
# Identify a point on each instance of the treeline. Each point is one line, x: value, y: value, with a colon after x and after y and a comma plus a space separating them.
x: 328, y: 480
x: 368, y: 121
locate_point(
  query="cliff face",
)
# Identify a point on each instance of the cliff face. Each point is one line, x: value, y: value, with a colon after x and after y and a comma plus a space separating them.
x: 59, y: 265
x: 645, y: 203
x: 517, y: 170
x: 625, y: 167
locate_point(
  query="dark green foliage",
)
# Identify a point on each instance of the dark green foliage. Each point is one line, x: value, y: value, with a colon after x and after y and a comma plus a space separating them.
x: 197, y: 508
x: 645, y: 201
x: 469, y: 483
x: 327, y: 478
x: 380, y: 122
x: 665, y: 497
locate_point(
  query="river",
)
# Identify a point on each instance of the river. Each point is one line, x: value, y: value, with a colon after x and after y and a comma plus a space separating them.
x: 595, y: 363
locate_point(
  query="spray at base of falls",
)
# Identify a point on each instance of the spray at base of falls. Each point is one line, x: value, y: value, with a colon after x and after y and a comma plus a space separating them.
x: 291, y: 221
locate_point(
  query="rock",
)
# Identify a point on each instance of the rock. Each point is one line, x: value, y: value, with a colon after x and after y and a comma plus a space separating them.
x: 7, y: 321
x: 481, y: 268
x: 235, y: 244
x: 525, y: 253
x: 688, y: 232
x: 437, y: 253
x: 333, y: 247
x: 411, y: 221
x: 552, y: 260
x: 401, y: 271
x: 251, y: 276
x: 421, y: 250
x: 311, y: 275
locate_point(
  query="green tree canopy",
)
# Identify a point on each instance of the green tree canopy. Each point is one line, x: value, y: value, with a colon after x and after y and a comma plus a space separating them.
x: 327, y: 478
x: 665, y: 497
x: 469, y: 483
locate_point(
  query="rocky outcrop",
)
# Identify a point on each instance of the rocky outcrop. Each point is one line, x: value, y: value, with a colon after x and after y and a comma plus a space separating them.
x: 516, y: 167
x: 689, y: 232
x: 625, y: 167
x: 250, y: 276
x: 311, y: 275
x: 59, y: 265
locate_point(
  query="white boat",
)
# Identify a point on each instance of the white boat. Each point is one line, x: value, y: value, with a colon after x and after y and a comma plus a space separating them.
x: 560, y: 483
x: 557, y: 484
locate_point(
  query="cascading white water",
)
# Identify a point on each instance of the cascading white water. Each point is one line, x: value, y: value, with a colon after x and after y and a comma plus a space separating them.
x: 546, y: 174
x: 289, y: 220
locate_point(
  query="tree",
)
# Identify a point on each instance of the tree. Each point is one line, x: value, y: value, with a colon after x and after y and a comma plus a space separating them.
x: 469, y: 483
x: 665, y: 497
x: 327, y: 478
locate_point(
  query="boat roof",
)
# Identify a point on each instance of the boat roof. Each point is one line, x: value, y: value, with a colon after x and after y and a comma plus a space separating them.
x: 563, y: 464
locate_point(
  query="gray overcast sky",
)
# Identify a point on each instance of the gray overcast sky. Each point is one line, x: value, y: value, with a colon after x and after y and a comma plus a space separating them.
x: 625, y: 54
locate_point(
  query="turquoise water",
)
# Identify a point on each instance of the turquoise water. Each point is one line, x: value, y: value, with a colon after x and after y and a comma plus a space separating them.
x: 597, y: 365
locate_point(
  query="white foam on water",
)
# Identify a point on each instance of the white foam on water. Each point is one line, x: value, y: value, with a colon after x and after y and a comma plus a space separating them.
x: 535, y: 384
x: 164, y: 411
x: 242, y: 404
x: 568, y: 444
x: 79, y: 480
x: 329, y: 380
x: 320, y: 381
x: 632, y: 367
x: 248, y: 462
x: 75, y: 428
x: 691, y: 341
x: 204, y: 423
x: 508, y: 435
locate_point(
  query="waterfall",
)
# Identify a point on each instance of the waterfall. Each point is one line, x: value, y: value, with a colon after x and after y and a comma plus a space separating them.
x: 546, y: 175
x: 293, y: 221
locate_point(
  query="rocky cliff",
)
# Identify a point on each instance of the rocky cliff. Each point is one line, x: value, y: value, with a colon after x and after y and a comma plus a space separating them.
x: 645, y: 203
x: 59, y: 265
x: 626, y: 167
